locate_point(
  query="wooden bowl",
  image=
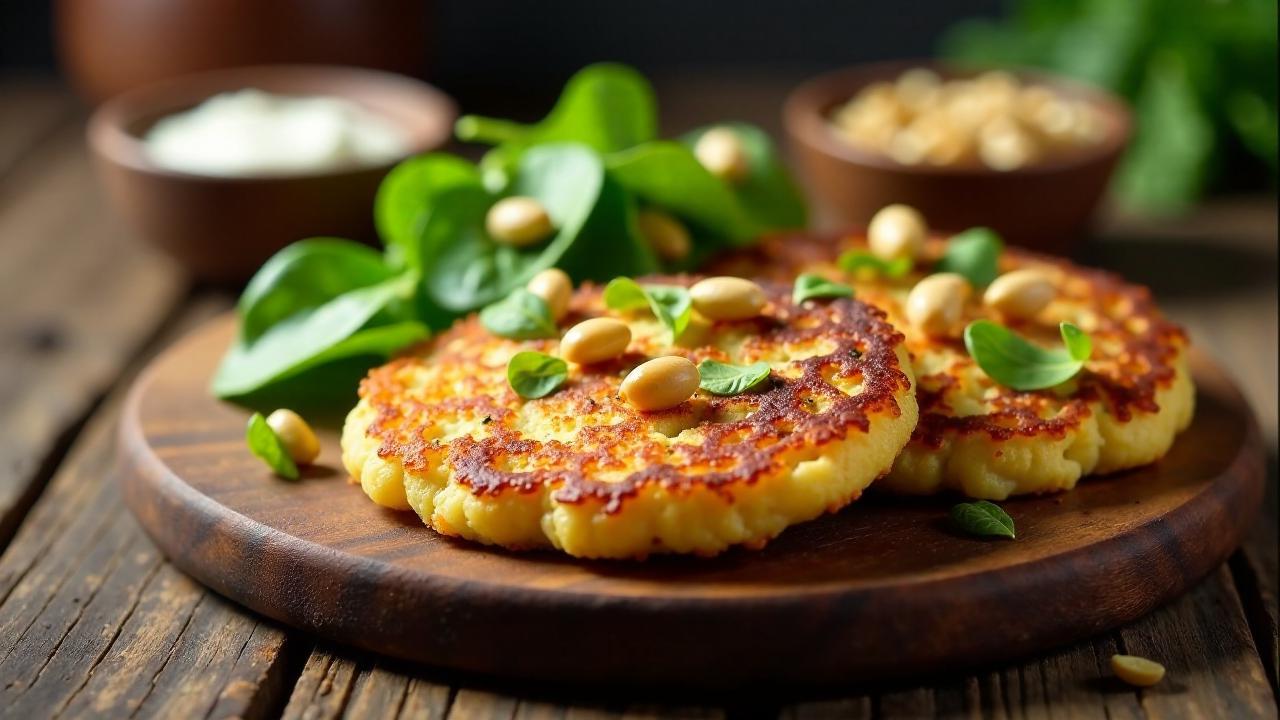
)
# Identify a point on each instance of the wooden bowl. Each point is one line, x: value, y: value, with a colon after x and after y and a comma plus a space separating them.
x: 106, y: 47
x: 1045, y: 206
x: 223, y: 228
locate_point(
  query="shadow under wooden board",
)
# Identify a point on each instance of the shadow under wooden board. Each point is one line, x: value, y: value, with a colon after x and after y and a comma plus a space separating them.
x: 881, y: 589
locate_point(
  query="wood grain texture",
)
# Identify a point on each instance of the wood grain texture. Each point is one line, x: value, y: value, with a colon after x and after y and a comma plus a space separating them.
x: 94, y: 621
x: 881, y: 589
x: 79, y: 297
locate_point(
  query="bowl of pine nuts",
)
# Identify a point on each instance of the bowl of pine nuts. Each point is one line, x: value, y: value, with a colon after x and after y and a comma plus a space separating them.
x: 1026, y: 153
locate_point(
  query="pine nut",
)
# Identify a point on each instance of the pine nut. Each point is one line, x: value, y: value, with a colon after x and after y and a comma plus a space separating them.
x: 595, y: 340
x: 727, y: 298
x: 661, y: 383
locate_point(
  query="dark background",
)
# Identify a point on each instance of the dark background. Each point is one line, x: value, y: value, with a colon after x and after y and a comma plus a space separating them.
x: 530, y: 47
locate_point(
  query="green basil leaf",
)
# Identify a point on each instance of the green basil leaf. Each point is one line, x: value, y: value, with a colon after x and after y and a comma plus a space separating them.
x: 1079, y: 345
x: 725, y: 379
x: 520, y: 316
x: 1014, y: 362
x: 975, y: 254
x: 408, y: 193
x: 303, y: 276
x: 266, y: 445
x: 671, y: 304
x: 667, y: 174
x: 533, y: 375
x: 855, y: 261
x: 607, y: 107
x: 356, y: 323
x: 809, y: 286
x: 768, y: 195
x: 623, y: 293
x: 595, y: 232
x: 984, y: 519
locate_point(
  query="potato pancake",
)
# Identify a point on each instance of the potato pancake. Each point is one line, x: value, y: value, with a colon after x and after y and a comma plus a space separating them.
x: 440, y: 431
x: 985, y: 440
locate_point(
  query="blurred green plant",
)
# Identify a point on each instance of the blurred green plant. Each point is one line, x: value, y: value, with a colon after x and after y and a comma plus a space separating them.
x: 1201, y: 75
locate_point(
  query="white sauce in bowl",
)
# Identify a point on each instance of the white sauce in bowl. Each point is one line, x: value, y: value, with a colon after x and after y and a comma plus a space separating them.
x: 252, y: 133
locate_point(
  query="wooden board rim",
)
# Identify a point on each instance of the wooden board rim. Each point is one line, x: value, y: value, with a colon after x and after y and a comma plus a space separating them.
x: 181, y: 519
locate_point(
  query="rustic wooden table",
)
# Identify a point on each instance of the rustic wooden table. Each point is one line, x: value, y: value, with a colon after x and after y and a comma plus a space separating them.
x: 94, y: 621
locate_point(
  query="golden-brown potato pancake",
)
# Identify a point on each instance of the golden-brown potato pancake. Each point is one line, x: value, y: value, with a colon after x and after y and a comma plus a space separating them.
x: 440, y: 431
x: 988, y: 441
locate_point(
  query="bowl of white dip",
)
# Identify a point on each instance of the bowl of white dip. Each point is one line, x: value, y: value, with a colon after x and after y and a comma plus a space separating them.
x: 222, y: 169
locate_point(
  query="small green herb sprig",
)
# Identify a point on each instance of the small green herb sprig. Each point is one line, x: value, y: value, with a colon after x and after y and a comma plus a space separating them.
x: 983, y: 519
x: 719, y: 378
x: 267, y: 446
x: 533, y: 374
x: 322, y: 311
x: 520, y: 316
x: 671, y: 304
x: 811, y: 287
x: 856, y: 262
x: 975, y: 254
x: 1014, y: 362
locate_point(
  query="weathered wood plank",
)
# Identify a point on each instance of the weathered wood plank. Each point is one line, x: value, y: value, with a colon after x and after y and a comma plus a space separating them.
x: 1202, y: 638
x: 93, y: 621
x: 338, y: 684
x: 80, y: 299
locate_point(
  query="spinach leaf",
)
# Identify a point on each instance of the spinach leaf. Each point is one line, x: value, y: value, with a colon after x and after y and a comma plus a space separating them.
x: 983, y: 518
x: 671, y: 304
x: 533, y: 375
x: 463, y: 269
x: 809, y: 286
x: 520, y: 316
x: 726, y: 379
x: 267, y: 446
x: 667, y: 174
x: 408, y: 193
x: 303, y: 276
x: 767, y: 194
x: 341, y: 328
x: 607, y: 107
x: 854, y: 262
x: 1016, y: 363
x: 975, y: 254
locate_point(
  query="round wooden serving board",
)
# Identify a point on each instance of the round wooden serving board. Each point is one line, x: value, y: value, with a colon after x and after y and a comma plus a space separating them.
x: 883, y: 588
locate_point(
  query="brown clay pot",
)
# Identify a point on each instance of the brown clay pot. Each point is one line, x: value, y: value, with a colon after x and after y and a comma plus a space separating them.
x: 109, y: 46
x: 1044, y: 206
x: 223, y: 228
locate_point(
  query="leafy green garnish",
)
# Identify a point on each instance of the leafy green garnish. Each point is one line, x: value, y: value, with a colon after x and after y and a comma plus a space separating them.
x: 809, y: 286
x: 767, y: 193
x: 607, y: 107
x: 975, y: 254
x: 408, y: 193
x: 299, y: 328
x: 983, y: 518
x: 322, y: 311
x: 666, y: 174
x: 266, y: 445
x: 1016, y: 363
x: 856, y: 261
x: 725, y: 379
x: 595, y: 238
x: 671, y: 304
x: 520, y: 316
x: 533, y: 375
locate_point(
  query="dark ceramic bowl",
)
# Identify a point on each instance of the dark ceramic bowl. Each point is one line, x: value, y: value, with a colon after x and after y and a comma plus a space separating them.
x: 1045, y: 206
x: 223, y: 228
